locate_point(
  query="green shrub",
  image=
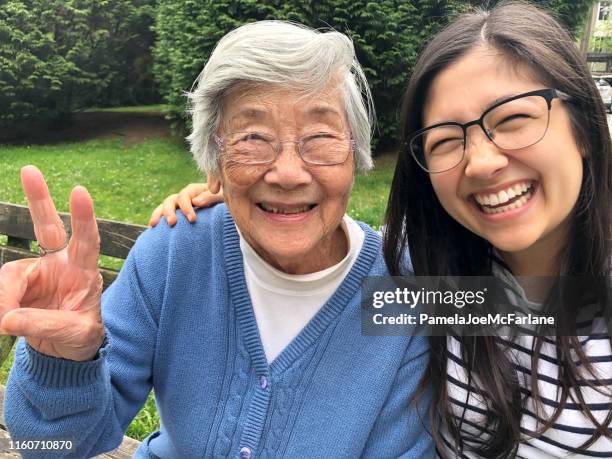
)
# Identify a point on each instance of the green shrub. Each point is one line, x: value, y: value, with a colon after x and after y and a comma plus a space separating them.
x: 388, y: 35
x: 59, y: 56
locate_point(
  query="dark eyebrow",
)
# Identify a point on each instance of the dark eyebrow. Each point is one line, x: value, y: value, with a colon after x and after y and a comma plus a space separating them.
x: 500, y: 99
x: 486, y: 107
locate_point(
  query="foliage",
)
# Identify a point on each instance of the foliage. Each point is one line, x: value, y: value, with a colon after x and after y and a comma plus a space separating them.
x: 187, y: 32
x: 59, y: 56
x: 601, y: 41
x: 388, y: 35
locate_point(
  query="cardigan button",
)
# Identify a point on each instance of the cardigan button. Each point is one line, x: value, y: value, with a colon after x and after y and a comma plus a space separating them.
x: 245, y: 453
x: 263, y: 382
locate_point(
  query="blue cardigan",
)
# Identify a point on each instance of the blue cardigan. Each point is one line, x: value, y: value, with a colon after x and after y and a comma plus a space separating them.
x: 179, y: 320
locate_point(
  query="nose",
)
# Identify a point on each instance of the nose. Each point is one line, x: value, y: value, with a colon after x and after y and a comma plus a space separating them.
x: 483, y: 158
x: 288, y: 170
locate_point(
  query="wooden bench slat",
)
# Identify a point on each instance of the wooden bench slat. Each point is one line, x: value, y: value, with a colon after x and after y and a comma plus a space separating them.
x: 8, y: 254
x: 116, y: 238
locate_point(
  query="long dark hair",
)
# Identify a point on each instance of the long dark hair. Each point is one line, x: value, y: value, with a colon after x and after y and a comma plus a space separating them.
x: 438, y: 245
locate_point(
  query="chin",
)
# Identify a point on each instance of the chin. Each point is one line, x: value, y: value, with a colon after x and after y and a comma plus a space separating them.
x: 513, y: 245
x: 287, y: 252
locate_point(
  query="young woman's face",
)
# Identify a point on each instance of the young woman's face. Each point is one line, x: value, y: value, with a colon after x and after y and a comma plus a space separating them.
x: 517, y: 199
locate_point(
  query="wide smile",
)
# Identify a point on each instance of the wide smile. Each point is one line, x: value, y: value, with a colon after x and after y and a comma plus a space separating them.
x: 513, y: 197
x: 281, y: 212
x: 285, y: 209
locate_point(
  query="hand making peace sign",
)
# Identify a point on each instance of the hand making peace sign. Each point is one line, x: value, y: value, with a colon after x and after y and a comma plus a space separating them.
x: 54, y: 301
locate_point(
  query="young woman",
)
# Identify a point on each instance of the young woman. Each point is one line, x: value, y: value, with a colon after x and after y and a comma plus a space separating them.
x: 523, y: 190
x: 506, y: 170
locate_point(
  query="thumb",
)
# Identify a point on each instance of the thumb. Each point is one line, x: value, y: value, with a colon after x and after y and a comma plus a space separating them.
x: 15, y: 278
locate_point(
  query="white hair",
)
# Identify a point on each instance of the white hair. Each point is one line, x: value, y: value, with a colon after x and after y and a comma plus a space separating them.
x: 286, y: 54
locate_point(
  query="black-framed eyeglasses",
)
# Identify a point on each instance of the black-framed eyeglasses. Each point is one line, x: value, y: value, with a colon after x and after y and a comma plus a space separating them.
x: 257, y: 148
x: 516, y: 122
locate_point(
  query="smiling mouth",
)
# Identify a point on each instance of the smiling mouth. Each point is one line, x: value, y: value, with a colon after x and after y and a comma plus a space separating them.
x: 285, y: 210
x: 513, y: 197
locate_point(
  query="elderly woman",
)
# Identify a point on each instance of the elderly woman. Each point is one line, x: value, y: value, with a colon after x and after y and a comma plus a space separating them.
x: 247, y: 323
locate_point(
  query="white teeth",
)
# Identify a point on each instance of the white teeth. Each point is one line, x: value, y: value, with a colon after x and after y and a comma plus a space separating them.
x: 513, y: 205
x: 502, y: 196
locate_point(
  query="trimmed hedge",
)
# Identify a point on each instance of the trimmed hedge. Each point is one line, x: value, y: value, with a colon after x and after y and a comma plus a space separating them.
x: 388, y: 35
x: 58, y: 56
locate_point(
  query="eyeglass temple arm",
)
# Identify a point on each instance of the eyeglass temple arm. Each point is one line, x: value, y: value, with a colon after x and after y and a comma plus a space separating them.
x: 562, y: 96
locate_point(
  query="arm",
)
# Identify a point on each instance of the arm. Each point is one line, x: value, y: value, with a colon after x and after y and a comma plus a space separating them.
x: 62, y: 384
x: 93, y: 402
x: 402, y: 429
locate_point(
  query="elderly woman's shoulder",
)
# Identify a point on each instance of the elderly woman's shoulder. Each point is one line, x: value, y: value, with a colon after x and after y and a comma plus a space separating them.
x: 186, y: 236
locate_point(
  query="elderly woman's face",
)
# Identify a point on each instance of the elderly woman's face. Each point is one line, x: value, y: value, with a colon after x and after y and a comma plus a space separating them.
x: 288, y: 211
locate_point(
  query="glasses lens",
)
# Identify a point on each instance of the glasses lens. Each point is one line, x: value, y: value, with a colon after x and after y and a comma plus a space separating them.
x: 249, y: 148
x: 519, y: 123
x: 325, y: 149
x: 438, y: 149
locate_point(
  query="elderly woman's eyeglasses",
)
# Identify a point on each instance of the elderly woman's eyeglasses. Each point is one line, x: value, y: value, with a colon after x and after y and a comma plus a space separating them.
x: 256, y: 148
x: 513, y: 123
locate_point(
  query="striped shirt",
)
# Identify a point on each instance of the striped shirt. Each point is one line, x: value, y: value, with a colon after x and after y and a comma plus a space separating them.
x: 570, y: 430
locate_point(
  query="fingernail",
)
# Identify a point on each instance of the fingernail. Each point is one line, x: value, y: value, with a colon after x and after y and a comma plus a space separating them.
x: 191, y: 217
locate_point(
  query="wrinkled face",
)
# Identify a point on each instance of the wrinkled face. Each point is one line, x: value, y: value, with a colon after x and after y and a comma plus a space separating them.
x: 519, y: 200
x: 288, y: 211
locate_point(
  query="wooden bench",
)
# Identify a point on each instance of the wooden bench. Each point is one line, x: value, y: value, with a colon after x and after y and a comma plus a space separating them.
x: 116, y: 240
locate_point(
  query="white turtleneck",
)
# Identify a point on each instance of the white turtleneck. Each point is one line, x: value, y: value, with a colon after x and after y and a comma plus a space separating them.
x: 284, y: 303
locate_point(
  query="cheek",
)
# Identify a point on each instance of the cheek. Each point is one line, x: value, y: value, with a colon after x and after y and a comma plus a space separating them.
x: 337, y: 186
x: 445, y: 189
x: 240, y: 175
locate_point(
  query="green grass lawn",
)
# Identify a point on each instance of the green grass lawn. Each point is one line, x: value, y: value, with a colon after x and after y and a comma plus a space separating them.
x: 127, y: 183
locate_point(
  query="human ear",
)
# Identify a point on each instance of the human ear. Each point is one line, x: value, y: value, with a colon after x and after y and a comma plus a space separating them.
x: 214, y: 182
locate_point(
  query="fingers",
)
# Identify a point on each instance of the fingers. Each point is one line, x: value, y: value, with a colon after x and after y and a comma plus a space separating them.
x: 66, y: 334
x: 156, y: 216
x: 204, y: 197
x: 48, y: 226
x: 184, y: 202
x: 198, y: 192
x: 169, y: 209
x: 84, y: 247
x: 193, y: 195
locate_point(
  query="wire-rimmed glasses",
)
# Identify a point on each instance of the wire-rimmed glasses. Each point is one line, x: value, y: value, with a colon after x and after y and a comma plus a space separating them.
x: 516, y: 122
x: 257, y: 148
